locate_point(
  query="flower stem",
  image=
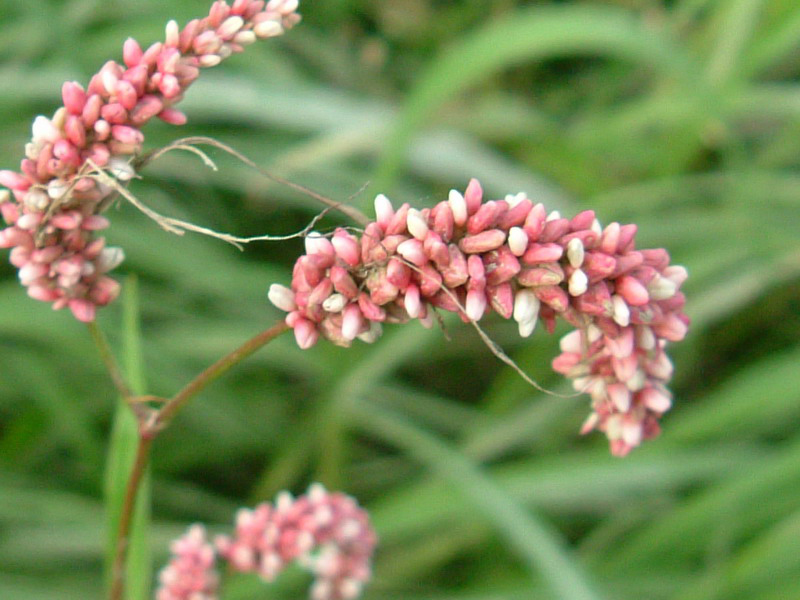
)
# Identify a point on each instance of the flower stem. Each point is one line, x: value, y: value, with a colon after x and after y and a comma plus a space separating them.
x: 194, y: 387
x: 153, y: 421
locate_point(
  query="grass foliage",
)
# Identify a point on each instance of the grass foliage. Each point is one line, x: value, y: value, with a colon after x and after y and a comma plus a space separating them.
x: 683, y: 116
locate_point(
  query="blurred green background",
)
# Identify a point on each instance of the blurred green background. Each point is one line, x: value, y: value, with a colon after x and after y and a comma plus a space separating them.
x: 682, y: 116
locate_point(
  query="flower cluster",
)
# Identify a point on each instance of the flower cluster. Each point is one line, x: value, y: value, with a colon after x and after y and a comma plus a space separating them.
x: 327, y: 533
x: 190, y: 575
x: 53, y: 204
x: 510, y: 256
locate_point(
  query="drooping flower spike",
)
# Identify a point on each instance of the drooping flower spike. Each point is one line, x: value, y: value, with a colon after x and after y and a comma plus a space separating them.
x: 509, y: 256
x: 53, y: 205
x: 329, y: 534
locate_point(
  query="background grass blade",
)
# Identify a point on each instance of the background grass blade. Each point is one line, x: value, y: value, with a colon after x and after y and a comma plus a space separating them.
x: 122, y: 449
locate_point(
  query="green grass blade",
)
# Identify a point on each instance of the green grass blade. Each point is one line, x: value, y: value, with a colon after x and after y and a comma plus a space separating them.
x: 122, y: 449
x: 531, y: 34
x: 541, y: 548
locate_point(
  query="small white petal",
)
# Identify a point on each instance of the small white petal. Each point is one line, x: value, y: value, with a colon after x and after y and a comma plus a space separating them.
x: 513, y: 199
x: 267, y: 29
x: 517, y: 241
x: 621, y: 314
x: 315, y: 243
x: 575, y: 252
x: 384, y: 210
x: 172, y: 33
x: 416, y: 224
x: 43, y: 129
x: 553, y: 216
x: 661, y: 288
x: 334, y: 303
x: 459, y: 207
x: 110, y: 258
x: 578, y: 283
x: 572, y: 342
x: 526, y: 327
x: 282, y: 297
x: 526, y: 306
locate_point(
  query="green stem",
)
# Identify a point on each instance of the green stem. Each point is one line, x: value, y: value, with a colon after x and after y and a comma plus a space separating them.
x: 151, y: 422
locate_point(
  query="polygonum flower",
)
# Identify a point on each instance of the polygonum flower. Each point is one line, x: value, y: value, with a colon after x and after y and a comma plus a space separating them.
x: 54, y: 204
x: 509, y: 256
x: 327, y: 533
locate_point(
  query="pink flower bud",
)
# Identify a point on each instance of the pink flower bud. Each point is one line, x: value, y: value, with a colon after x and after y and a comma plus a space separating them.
x: 14, y: 181
x: 343, y: 282
x: 411, y: 301
x: 483, y: 218
x: 346, y: 247
x: 398, y: 273
x: 515, y: 216
x: 352, y: 322
x: 443, y: 220
x: 397, y: 224
x: 632, y: 290
x: 551, y: 274
x: 74, y: 97
x: 475, y: 304
x: 501, y: 298
x: 583, y: 220
x: 305, y: 333
x: 501, y: 266
x: 83, y: 310
x: 458, y: 207
x: 552, y: 295
x: 384, y: 211
x: 172, y: 116
x: 482, y: 242
x: 369, y: 309
x: 413, y: 251
x: 542, y: 253
x: 473, y: 196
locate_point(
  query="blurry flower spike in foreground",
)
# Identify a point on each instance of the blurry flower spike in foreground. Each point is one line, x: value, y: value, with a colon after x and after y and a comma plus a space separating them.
x: 54, y: 204
x: 509, y: 256
x: 327, y: 533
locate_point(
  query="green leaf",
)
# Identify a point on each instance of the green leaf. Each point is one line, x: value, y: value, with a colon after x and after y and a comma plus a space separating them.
x: 122, y: 450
